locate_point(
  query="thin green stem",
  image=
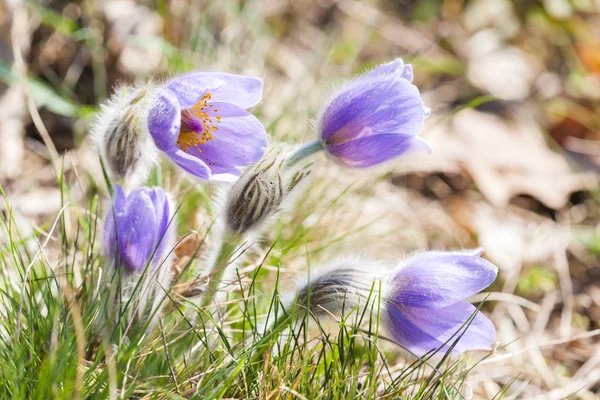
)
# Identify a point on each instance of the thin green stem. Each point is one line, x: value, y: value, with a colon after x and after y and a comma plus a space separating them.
x: 303, y: 152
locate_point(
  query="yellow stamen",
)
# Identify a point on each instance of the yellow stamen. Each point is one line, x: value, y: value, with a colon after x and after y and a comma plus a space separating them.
x: 188, y: 138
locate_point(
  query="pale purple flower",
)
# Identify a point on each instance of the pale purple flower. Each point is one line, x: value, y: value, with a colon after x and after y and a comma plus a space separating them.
x: 200, y: 121
x: 374, y: 118
x: 426, y: 305
x: 138, y: 228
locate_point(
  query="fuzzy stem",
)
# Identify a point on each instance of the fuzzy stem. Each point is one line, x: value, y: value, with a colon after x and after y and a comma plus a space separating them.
x: 227, y: 247
x: 303, y: 152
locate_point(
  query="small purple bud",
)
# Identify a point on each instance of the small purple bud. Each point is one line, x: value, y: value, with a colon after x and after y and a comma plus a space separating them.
x: 137, y: 229
x: 374, y: 118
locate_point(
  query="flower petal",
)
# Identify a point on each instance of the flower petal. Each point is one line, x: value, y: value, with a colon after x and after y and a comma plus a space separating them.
x: 137, y: 231
x: 372, y: 150
x: 163, y: 217
x: 164, y: 119
x: 390, y: 68
x: 421, y: 331
x: 190, y: 163
x: 120, y: 198
x: 373, y: 106
x: 110, y: 233
x: 190, y: 87
x: 239, y: 90
x: 440, y: 279
x: 240, y: 141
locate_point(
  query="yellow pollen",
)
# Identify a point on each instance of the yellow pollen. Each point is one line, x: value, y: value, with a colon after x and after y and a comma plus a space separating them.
x: 189, y: 138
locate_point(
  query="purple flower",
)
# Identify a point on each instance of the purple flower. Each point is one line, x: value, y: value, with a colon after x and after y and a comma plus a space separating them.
x: 374, y: 118
x: 426, y: 307
x: 137, y: 228
x: 200, y: 121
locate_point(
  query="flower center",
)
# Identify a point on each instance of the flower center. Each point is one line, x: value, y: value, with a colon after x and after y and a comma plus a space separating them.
x: 197, y: 125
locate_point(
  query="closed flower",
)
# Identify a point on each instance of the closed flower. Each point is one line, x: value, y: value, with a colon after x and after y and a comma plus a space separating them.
x: 138, y: 238
x: 426, y: 308
x: 374, y: 118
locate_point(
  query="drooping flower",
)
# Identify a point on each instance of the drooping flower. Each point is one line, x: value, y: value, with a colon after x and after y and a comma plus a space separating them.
x: 200, y: 121
x: 374, y: 118
x: 121, y: 135
x: 423, y: 299
x: 426, y: 305
x: 138, y: 236
x: 137, y: 229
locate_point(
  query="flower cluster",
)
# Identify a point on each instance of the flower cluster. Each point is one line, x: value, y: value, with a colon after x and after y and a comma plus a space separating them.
x: 200, y: 122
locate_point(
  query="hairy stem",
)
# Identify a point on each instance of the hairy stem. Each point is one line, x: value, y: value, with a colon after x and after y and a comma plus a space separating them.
x: 303, y: 152
x: 217, y: 267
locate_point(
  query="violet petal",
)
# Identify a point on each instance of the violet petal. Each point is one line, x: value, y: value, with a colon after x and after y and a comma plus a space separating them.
x: 372, y: 107
x: 372, y: 150
x: 137, y: 231
x: 189, y: 88
x: 190, y: 163
x: 164, y: 119
x: 394, y: 67
x: 239, y: 90
x: 440, y: 279
x: 239, y: 141
x: 423, y: 330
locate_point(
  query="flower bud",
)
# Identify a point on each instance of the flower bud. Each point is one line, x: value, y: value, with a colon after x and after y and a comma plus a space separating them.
x: 374, y: 118
x: 261, y: 190
x: 138, y: 235
x: 122, y: 136
x: 344, y: 283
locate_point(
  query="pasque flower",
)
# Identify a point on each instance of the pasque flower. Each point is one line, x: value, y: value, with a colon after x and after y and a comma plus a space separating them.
x: 138, y: 236
x: 137, y: 228
x: 423, y: 298
x: 374, y: 118
x: 200, y: 121
x: 426, y: 309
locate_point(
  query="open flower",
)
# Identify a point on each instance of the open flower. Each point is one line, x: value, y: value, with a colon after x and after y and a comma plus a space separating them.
x: 425, y: 306
x: 200, y: 121
x: 137, y: 229
x: 374, y: 118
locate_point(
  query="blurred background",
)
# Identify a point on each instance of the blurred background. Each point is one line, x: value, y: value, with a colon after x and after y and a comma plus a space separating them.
x: 514, y: 88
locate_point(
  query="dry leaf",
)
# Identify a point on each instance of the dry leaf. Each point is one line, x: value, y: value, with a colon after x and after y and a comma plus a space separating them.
x: 504, y: 158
